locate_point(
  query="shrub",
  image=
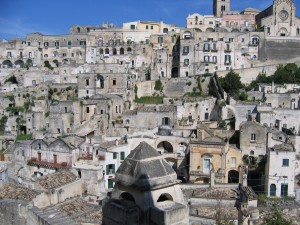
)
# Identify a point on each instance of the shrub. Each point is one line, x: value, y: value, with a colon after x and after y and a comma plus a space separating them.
x: 158, y: 85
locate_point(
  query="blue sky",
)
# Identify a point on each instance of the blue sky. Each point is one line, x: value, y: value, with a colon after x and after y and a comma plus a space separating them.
x: 20, y: 17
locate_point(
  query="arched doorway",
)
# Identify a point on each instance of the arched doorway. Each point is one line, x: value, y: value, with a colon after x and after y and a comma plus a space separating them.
x: 126, y: 196
x: 7, y: 64
x: 166, y: 146
x: 165, y: 197
x: 272, y: 190
x: 100, y: 82
x: 19, y: 63
x: 233, y: 176
x: 175, y: 72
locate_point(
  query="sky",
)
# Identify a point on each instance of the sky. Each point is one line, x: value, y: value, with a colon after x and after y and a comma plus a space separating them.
x: 20, y: 17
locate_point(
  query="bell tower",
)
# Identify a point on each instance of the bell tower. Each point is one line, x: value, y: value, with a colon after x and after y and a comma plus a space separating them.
x: 221, y: 6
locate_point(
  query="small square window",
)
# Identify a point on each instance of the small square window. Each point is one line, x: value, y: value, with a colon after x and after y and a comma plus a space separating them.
x: 114, y: 82
x: 285, y: 162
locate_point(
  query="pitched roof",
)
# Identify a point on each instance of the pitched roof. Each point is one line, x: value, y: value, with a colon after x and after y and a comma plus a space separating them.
x: 145, y: 169
x: 12, y: 191
x: 56, y: 180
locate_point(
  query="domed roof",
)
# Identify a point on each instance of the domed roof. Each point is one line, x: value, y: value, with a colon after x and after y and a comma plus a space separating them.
x: 145, y: 169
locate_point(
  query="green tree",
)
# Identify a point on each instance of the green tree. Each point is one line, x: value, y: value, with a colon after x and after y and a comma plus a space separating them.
x: 276, y: 218
x: 231, y: 83
x: 243, y: 96
x: 158, y: 85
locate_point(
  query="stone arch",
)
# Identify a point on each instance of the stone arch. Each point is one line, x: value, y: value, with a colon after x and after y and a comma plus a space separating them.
x: 65, y: 61
x: 233, y: 176
x: 29, y: 62
x: 55, y: 61
x: 7, y: 64
x: 121, y: 51
x: 19, y: 63
x: 165, y: 197
x: 55, y: 54
x: 273, y: 190
x: 175, y: 72
x: 198, y: 30
x: 167, y: 146
x: 114, y: 51
x: 210, y: 29
x: 100, y: 78
x: 127, y: 196
x: 187, y: 35
x: 283, y: 31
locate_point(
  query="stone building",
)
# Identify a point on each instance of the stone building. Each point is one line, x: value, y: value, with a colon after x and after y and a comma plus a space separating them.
x: 280, y: 171
x: 212, y: 154
x: 280, y: 19
x: 146, y: 192
x: 253, y: 139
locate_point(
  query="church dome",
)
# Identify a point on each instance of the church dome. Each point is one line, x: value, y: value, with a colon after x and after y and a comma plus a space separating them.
x: 145, y: 169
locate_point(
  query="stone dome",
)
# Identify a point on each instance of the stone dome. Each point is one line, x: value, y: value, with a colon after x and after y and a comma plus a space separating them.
x: 145, y: 169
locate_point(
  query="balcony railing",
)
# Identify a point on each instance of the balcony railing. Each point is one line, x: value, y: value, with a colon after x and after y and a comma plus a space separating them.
x: 48, y: 165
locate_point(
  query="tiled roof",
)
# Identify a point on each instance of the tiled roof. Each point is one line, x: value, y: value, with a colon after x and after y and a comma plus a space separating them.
x: 56, y: 180
x: 12, y: 191
x: 109, y: 144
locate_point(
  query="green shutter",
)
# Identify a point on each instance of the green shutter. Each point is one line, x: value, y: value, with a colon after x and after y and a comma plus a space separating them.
x: 113, y: 168
x: 110, y: 183
x: 114, y: 155
x: 122, y: 155
x: 107, y: 169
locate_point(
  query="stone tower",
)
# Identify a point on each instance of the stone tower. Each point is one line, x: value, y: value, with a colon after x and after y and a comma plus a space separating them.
x: 146, y: 192
x: 221, y: 6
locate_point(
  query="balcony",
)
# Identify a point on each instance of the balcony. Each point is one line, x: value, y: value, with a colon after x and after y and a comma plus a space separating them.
x: 47, y: 165
x: 86, y: 157
x: 227, y: 50
x: 214, y: 50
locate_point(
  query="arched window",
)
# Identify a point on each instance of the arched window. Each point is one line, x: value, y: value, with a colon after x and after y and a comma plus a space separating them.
x: 126, y: 196
x: 165, y: 197
x: 129, y: 50
x: 101, y: 51
x: 114, y: 51
x: 272, y: 190
x: 78, y: 29
x: 106, y: 51
x: 121, y: 51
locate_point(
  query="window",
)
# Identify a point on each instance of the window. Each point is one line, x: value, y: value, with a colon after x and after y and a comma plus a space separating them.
x: 233, y: 162
x: 147, y: 27
x: 151, y: 27
x: 122, y: 155
x: 69, y: 43
x: 186, y: 62
x: 206, y: 47
x: 272, y: 190
x: 160, y: 40
x: 206, y: 58
x: 253, y: 137
x: 39, y: 146
x: 284, y: 190
x: 132, y: 27
x: 166, y: 121
x: 110, y: 183
x: 115, y: 155
x: 285, y: 162
x: 82, y: 43
x: 114, y: 82
x: 162, y: 73
x: 110, y: 169
x: 87, y: 110
x: 206, y: 116
x: 87, y: 82
x: 116, y: 109
x: 186, y: 49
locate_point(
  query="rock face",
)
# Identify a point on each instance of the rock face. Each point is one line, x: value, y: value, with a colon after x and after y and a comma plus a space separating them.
x: 146, y: 192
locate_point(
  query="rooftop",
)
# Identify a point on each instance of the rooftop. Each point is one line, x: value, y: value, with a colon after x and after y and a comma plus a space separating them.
x: 56, y: 180
x: 145, y: 169
x: 282, y: 148
x: 110, y: 144
x: 12, y: 191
